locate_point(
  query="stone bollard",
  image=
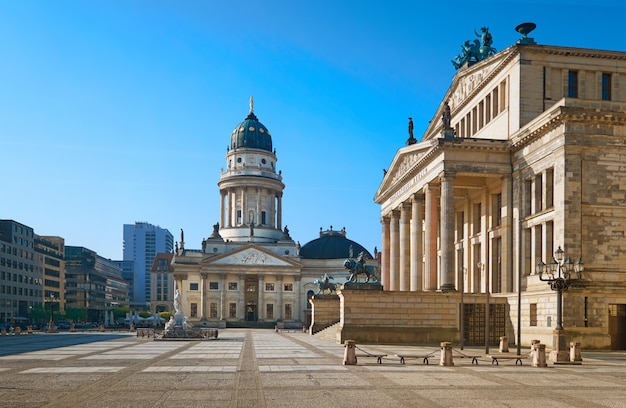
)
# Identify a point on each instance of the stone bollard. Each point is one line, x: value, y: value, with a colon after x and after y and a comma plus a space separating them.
x: 446, y: 354
x: 574, y: 352
x: 349, y: 353
x: 276, y: 328
x: 533, y: 347
x: 539, y: 356
x: 72, y: 329
x: 101, y: 328
x: 132, y: 328
x: 504, y: 344
x: 18, y: 330
x: 29, y: 329
x: 304, y: 329
x: 4, y: 332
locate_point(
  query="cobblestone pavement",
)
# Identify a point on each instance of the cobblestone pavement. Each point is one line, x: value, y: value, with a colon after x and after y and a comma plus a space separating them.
x: 262, y: 368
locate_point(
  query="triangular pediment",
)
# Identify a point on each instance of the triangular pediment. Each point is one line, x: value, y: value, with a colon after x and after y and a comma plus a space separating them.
x: 404, y: 162
x: 252, y: 255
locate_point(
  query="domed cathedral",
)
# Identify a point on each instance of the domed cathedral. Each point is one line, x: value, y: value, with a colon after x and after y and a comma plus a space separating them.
x: 251, y: 189
x: 249, y: 272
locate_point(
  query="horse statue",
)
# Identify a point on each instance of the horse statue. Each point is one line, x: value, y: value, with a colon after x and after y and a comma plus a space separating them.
x: 358, y: 267
x: 325, y: 284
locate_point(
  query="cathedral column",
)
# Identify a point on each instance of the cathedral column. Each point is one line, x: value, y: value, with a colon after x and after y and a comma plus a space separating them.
x: 384, y: 255
x: 447, y: 232
x: 222, y: 296
x: 258, y: 207
x: 259, y: 310
x: 394, y: 236
x: 404, y: 247
x: 298, y: 309
x: 279, y: 216
x: 416, y: 249
x: 430, y: 244
x: 222, y: 215
x: 203, y: 294
x: 279, y: 297
x: 241, y: 308
x: 244, y: 216
x: 232, y: 211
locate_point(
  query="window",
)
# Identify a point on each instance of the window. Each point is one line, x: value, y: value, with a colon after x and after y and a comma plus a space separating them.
x: 477, y: 218
x: 263, y: 222
x: 572, y: 84
x: 288, y: 287
x: 528, y: 185
x: 606, y: 87
x: 193, y: 286
x: 232, y: 310
x: 269, y: 311
x: 251, y: 287
x: 213, y: 311
x: 238, y: 216
x: 533, y: 314
x: 288, y: 311
x: 194, y: 310
x: 214, y: 286
x: 497, y: 209
x: 232, y: 285
x: 269, y: 287
x: 538, y: 193
x: 550, y: 188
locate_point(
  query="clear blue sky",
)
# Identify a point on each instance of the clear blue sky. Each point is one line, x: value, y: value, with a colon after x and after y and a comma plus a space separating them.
x: 113, y: 112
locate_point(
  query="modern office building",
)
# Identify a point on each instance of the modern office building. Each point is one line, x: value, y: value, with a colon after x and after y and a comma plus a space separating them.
x: 142, y: 241
x: 50, y: 254
x: 21, y: 275
x: 93, y: 283
x: 524, y: 155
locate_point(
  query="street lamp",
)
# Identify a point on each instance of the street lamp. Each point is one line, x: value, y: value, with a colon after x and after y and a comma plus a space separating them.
x: 560, y: 273
x: 51, y: 324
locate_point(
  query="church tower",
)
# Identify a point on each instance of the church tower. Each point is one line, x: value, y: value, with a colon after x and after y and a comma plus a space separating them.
x: 251, y: 189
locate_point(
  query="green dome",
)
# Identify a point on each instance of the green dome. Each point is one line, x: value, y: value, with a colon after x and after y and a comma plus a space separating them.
x: 332, y: 245
x: 251, y: 134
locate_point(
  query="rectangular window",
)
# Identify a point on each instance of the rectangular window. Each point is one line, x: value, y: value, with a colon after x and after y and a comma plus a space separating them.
x: 477, y: 218
x: 213, y: 311
x: 269, y: 311
x: 263, y: 221
x: 533, y: 314
x: 288, y: 287
x: 606, y: 87
x: 550, y: 188
x: 497, y: 209
x: 494, y: 101
x: 194, y: 310
x: 238, y: 216
x: 232, y: 285
x: 193, y: 286
x: 288, y: 311
x: 232, y: 310
x: 572, y: 84
x: 269, y: 287
x: 528, y: 186
x: 214, y: 286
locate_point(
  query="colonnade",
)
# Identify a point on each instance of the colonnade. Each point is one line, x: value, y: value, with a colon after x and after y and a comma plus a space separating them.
x: 237, y: 199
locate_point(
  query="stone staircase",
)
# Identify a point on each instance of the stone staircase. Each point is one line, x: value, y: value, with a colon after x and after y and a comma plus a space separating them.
x: 329, y: 333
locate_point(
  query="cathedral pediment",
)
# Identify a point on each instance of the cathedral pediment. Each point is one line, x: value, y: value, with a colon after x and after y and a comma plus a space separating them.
x: 251, y: 255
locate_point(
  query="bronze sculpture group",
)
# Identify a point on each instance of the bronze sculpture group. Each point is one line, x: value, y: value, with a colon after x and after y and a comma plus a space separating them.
x: 477, y: 50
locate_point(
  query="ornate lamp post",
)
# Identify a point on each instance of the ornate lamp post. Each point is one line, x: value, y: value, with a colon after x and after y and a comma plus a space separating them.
x: 560, y: 273
x: 51, y: 303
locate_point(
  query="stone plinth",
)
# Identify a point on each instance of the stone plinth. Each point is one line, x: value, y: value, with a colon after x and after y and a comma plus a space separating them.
x: 349, y: 354
x: 446, y: 355
x: 574, y: 352
x: 325, y: 311
x: 539, y: 356
x: 559, y: 353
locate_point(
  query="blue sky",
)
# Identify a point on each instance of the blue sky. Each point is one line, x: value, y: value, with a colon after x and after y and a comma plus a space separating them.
x: 120, y: 111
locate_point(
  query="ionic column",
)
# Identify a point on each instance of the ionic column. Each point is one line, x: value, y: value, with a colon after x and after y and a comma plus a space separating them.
x: 232, y: 211
x: 384, y: 255
x: 241, y: 309
x: 404, y: 247
x: 222, y: 296
x: 203, y: 296
x: 243, y: 206
x: 447, y: 232
x: 394, y: 273
x: 259, y: 311
x: 417, y: 255
x: 279, y: 297
x: 430, y: 244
